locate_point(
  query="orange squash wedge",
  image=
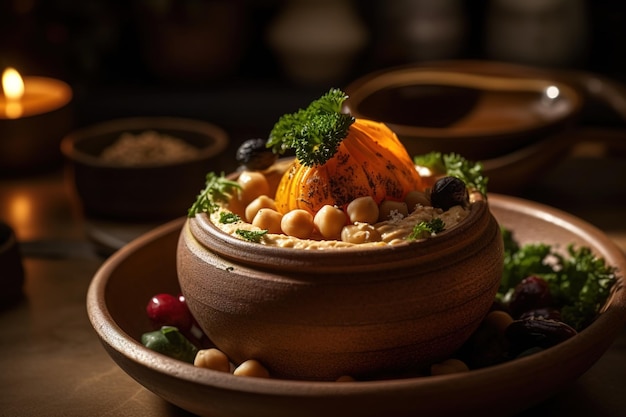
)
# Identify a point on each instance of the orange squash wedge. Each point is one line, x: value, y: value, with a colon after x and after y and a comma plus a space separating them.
x: 370, y: 161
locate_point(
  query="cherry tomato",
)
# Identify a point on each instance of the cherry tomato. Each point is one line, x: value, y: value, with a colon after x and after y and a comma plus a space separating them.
x: 169, y: 310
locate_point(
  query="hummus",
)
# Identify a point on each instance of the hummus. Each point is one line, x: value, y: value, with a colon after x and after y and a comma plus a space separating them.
x: 394, y: 231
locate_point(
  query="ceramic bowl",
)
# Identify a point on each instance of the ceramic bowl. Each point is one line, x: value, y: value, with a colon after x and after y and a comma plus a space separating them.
x: 322, y: 314
x: 121, y: 288
x: 480, y: 110
x: 143, y: 192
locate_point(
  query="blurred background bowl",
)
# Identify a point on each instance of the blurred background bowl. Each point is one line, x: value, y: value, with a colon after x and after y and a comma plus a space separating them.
x: 145, y: 191
x: 481, y: 110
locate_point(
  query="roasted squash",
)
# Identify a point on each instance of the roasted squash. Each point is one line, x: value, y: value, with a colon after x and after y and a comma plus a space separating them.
x: 369, y: 161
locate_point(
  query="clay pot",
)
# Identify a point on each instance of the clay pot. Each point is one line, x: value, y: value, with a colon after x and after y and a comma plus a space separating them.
x: 321, y: 314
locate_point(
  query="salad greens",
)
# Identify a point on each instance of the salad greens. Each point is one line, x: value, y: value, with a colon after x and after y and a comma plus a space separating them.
x: 454, y: 165
x: 580, y: 281
x: 314, y: 132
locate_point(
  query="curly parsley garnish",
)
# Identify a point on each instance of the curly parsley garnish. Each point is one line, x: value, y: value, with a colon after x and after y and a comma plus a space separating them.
x: 580, y: 281
x: 313, y: 133
x: 454, y: 165
x: 251, y: 235
x: 426, y: 229
x: 217, y: 189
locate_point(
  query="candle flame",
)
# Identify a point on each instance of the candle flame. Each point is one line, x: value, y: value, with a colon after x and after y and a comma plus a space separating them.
x: 12, y: 84
x: 13, y: 87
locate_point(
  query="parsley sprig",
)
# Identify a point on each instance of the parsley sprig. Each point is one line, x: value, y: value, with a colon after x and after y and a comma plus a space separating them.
x: 314, y: 133
x: 426, y: 229
x: 454, y: 165
x: 217, y: 189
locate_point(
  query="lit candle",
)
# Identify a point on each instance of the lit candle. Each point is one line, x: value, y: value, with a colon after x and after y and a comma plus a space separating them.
x: 13, y: 87
x: 34, y: 117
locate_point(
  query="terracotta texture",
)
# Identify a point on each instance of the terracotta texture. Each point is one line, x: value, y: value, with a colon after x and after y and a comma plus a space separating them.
x: 360, y: 312
x: 121, y: 287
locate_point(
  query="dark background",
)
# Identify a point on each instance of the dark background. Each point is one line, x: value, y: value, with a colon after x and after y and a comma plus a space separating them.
x: 102, y: 48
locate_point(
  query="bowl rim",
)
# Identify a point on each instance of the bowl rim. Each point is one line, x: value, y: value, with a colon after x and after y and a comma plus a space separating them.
x: 478, y: 72
x: 72, y: 153
x: 608, y: 324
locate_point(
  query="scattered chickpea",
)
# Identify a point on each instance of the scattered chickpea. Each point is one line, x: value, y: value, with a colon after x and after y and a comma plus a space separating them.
x: 329, y: 220
x: 498, y: 320
x: 262, y: 201
x: 389, y: 209
x: 449, y: 366
x: 363, y: 210
x: 253, y: 184
x: 297, y: 223
x: 251, y: 368
x: 212, y: 359
x: 268, y: 219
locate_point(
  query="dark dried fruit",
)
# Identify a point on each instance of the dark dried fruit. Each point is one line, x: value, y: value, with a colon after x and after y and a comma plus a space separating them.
x: 542, y: 333
x: 531, y: 293
x: 543, y: 313
x: 254, y: 155
x: 448, y: 192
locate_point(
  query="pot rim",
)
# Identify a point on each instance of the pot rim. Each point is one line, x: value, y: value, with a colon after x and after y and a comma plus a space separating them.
x: 352, y: 259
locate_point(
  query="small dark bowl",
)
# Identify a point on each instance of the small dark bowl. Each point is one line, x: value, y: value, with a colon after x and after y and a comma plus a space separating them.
x: 141, y: 192
x: 480, y: 110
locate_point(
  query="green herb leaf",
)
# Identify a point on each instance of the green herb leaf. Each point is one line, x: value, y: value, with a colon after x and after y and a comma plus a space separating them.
x: 227, y: 217
x: 251, y: 235
x: 217, y: 189
x: 454, y: 165
x: 313, y: 133
x: 169, y: 341
x: 426, y: 229
x: 580, y: 281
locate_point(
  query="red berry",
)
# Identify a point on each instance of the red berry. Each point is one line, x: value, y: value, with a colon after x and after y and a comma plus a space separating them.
x: 169, y: 310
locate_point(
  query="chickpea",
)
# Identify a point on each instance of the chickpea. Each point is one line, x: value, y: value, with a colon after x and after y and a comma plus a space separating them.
x: 413, y: 198
x: 268, y: 219
x: 297, y: 223
x: 257, y: 204
x: 363, y: 210
x: 252, y: 368
x: 253, y: 184
x: 498, y: 320
x: 360, y: 233
x: 236, y: 205
x: 329, y: 220
x: 391, y: 209
x: 449, y: 366
x: 212, y: 359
